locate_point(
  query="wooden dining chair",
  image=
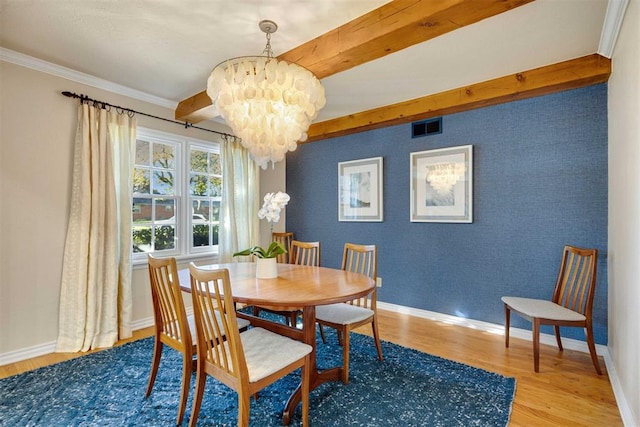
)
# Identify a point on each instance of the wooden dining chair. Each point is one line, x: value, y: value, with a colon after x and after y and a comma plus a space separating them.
x: 172, y: 325
x: 344, y: 317
x: 247, y: 362
x: 285, y: 239
x: 301, y: 253
x: 305, y: 253
x: 571, y: 304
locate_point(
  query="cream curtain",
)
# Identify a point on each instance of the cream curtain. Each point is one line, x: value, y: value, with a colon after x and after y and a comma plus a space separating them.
x: 95, y: 296
x: 240, y: 200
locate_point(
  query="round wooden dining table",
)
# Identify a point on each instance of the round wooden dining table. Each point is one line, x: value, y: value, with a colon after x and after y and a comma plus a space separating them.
x: 296, y: 286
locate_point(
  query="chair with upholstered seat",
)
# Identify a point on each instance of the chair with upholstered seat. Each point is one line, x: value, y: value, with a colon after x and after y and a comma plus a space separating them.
x: 172, y: 325
x: 285, y: 239
x: 247, y: 362
x: 345, y: 317
x: 302, y: 253
x: 571, y: 304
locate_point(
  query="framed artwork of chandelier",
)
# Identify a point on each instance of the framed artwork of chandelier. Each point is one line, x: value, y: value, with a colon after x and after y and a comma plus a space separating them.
x: 442, y: 185
x: 268, y: 103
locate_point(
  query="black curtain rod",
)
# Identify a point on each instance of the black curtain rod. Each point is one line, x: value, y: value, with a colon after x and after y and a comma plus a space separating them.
x: 122, y: 110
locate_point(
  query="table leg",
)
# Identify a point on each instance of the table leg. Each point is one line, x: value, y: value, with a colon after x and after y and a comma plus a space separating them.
x: 317, y: 378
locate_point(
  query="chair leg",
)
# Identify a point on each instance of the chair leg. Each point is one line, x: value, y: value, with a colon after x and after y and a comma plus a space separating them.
x: 345, y: 355
x: 558, y: 339
x: 155, y: 363
x: 507, y: 323
x: 256, y: 311
x: 293, y: 321
x: 536, y: 344
x: 201, y: 380
x: 592, y: 348
x: 374, y: 326
x: 306, y: 384
x: 324, y: 339
x: 187, y: 362
x: 243, y: 409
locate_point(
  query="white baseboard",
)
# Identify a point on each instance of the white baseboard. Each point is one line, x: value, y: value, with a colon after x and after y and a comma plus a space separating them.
x: 50, y: 347
x: 493, y: 328
x: 27, y: 353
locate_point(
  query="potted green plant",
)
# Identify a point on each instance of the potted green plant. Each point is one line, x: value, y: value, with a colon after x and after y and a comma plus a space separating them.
x: 274, y: 249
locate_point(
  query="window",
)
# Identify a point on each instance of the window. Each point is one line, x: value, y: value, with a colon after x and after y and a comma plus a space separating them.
x: 177, y: 189
x: 205, y: 191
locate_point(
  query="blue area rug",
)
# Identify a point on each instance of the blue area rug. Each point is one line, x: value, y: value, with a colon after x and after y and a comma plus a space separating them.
x: 408, y: 388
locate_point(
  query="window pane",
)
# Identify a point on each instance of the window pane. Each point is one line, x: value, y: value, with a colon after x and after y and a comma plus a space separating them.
x: 201, y: 235
x: 165, y: 211
x: 201, y: 211
x: 198, y: 185
x: 142, y: 153
x: 163, y: 156
x: 199, y: 161
x: 215, y: 186
x: 214, y: 164
x: 165, y: 238
x: 163, y: 183
x: 141, y: 181
x: 215, y: 211
x: 141, y: 238
x: 141, y: 211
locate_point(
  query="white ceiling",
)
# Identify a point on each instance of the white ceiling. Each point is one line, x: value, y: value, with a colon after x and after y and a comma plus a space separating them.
x: 167, y: 48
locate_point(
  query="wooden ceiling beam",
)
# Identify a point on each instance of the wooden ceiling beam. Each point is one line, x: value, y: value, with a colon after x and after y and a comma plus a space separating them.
x: 385, y: 30
x: 575, y: 73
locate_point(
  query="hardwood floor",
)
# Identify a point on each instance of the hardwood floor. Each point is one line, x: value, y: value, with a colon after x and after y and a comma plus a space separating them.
x: 566, y: 392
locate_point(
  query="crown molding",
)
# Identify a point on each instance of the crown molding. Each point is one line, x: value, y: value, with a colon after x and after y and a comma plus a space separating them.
x: 611, y: 26
x: 27, y: 61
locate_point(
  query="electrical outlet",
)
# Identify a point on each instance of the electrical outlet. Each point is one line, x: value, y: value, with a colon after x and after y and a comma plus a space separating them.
x: 379, y: 282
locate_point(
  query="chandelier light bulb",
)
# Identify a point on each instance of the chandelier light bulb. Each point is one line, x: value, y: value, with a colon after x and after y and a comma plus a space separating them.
x: 268, y: 103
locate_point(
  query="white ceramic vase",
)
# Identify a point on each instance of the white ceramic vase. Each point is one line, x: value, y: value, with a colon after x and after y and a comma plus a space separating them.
x: 266, y: 268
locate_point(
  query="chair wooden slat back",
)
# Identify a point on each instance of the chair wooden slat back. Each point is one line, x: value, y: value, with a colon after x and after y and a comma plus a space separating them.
x: 284, y: 238
x: 571, y: 305
x: 221, y: 353
x: 362, y: 259
x: 171, y: 324
x: 305, y: 253
x: 217, y: 329
x: 575, y: 287
x: 169, y: 311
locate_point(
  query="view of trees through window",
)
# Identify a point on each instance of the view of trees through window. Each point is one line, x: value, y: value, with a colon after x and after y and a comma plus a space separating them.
x: 172, y: 202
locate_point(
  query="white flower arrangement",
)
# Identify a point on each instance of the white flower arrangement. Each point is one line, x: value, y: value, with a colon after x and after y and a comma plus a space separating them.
x: 273, y: 204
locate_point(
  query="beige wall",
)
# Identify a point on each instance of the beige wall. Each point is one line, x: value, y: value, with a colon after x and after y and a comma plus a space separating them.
x: 37, y: 131
x: 624, y: 212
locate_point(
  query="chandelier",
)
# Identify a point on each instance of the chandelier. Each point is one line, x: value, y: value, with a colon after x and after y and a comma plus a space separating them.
x: 443, y: 176
x: 268, y: 103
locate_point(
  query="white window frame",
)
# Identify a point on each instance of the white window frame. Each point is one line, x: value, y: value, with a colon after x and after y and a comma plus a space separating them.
x: 193, y: 144
x: 184, y: 249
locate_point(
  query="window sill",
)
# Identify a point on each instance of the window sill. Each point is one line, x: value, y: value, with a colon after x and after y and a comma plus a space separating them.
x: 208, y: 258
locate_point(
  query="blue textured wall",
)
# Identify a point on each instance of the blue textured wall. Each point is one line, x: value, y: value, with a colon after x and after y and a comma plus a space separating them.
x: 540, y: 182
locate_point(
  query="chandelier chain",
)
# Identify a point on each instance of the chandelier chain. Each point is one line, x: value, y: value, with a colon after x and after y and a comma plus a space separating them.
x: 267, y: 49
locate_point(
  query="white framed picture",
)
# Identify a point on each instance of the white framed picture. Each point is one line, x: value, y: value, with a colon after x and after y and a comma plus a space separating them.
x: 360, y: 190
x: 442, y: 185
